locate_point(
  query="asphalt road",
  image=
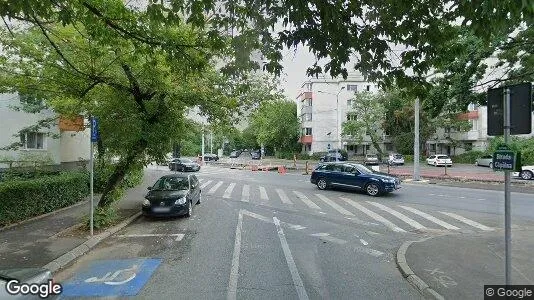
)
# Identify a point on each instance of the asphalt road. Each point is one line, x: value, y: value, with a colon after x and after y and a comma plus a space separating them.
x: 262, y: 235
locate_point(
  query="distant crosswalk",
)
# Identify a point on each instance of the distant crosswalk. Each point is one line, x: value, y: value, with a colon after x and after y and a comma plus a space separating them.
x: 400, y: 218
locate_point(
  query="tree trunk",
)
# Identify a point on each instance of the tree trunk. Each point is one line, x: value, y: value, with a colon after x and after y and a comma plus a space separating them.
x: 121, y: 170
x: 377, y: 147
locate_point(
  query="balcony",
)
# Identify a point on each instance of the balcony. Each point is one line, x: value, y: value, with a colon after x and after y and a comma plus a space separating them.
x: 472, y: 115
x: 305, y: 95
x: 306, y: 139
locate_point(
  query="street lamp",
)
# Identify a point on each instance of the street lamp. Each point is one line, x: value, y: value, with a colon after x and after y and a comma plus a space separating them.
x: 337, y: 115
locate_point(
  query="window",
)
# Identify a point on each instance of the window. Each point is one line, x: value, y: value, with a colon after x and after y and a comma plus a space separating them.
x: 32, y: 140
x: 352, y: 117
x: 307, y: 117
x: 447, y: 130
x: 307, y: 147
x: 367, y: 147
x: 432, y: 147
x: 352, y: 148
x: 349, y: 169
x: 474, y: 125
x: 308, y: 87
x: 307, y: 131
x: 368, y: 88
x: 350, y: 103
x: 352, y: 87
x: 307, y: 102
x: 468, y: 146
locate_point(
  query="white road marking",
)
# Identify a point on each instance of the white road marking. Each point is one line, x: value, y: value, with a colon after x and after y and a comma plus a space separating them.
x: 297, y: 281
x: 215, y: 187
x: 467, y: 221
x: 333, y: 240
x: 205, y: 184
x: 263, y: 193
x: 364, y: 242
x: 462, y: 197
x: 369, y: 251
x: 399, y: 215
x: 430, y: 218
x: 297, y: 227
x: 228, y: 191
x: 306, y: 201
x: 320, y: 234
x: 283, y: 196
x: 432, y: 194
x: 334, y: 205
x: 245, y: 195
x: 255, y: 215
x: 481, y: 199
x: 179, y: 236
x: 374, y: 215
x: 322, y: 213
x: 234, y: 272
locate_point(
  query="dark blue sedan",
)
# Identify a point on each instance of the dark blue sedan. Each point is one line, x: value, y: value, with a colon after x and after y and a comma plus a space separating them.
x: 355, y: 176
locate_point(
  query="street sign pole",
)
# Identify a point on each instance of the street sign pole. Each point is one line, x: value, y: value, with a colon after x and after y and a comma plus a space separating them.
x: 507, y: 206
x: 91, y: 167
x: 416, y: 149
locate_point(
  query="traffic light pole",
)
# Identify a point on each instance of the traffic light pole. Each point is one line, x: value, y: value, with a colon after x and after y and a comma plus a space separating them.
x: 507, y: 206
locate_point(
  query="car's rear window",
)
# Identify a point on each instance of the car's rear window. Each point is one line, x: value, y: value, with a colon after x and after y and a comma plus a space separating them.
x: 442, y: 157
x: 398, y: 156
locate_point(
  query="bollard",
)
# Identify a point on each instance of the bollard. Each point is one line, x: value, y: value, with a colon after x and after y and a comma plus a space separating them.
x: 307, y: 168
x: 445, y: 168
x: 388, y: 167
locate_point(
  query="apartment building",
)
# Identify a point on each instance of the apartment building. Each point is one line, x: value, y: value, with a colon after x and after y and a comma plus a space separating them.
x: 452, y: 142
x: 322, y: 106
x: 60, y: 144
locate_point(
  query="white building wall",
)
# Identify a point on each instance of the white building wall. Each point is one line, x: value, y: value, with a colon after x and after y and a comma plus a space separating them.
x: 12, y: 121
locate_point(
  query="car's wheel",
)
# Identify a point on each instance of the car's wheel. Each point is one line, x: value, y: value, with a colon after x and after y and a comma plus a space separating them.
x: 199, y: 197
x: 526, y: 174
x: 490, y: 165
x: 189, y: 209
x: 322, y: 184
x: 372, y: 189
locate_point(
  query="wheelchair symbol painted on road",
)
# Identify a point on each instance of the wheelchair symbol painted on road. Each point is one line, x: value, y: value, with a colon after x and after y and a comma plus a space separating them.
x: 111, y: 278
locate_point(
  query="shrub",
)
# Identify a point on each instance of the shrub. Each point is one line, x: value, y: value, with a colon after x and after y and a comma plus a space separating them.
x: 318, y: 155
x: 102, y: 218
x: 23, y: 199
x: 408, y: 158
x: 468, y: 157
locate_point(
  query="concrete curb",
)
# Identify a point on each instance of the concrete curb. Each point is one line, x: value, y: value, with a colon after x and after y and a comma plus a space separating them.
x: 75, y: 253
x: 410, y: 276
x: 42, y: 216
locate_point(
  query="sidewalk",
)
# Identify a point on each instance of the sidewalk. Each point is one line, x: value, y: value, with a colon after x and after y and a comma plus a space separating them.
x: 36, y: 243
x: 458, y: 266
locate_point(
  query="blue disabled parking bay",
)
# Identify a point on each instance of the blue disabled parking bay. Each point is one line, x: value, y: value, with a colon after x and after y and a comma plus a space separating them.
x: 108, y: 278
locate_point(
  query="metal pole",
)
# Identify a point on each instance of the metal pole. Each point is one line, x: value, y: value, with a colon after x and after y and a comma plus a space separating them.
x: 202, y: 158
x: 416, y: 155
x: 507, y: 206
x: 211, y: 142
x: 91, y: 164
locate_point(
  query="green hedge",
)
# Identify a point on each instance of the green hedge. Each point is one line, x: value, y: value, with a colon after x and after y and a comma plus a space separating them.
x: 102, y: 171
x: 468, y: 157
x: 23, y: 199
x: 408, y: 158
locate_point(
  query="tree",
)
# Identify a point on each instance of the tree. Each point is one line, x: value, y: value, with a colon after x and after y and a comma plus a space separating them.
x: 276, y: 125
x: 367, y: 114
x: 139, y: 92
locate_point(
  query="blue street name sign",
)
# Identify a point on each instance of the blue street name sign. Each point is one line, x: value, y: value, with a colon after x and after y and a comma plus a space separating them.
x: 94, y: 130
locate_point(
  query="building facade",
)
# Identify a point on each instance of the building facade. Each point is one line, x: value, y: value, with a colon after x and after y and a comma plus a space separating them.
x: 322, y: 106
x: 52, y: 146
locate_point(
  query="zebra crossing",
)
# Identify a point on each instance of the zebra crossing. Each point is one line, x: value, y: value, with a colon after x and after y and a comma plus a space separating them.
x: 399, y: 218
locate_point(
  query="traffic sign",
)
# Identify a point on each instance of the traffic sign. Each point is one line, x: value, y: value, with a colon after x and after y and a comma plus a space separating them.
x: 504, y: 158
x: 94, y: 130
x: 520, y: 109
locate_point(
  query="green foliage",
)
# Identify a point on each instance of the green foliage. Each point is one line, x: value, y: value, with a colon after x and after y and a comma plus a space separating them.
x: 525, y: 145
x: 103, y: 169
x: 276, y: 125
x: 23, y: 199
x: 369, y: 111
x: 318, y: 155
x: 408, y: 158
x: 103, y: 217
x: 468, y: 157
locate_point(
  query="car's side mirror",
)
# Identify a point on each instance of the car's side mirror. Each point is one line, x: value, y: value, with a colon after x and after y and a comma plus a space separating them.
x: 149, y: 188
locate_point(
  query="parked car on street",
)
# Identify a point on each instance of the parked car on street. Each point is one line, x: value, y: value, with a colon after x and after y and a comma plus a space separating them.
x: 255, y: 154
x: 395, y: 159
x: 485, y: 161
x: 371, y: 159
x: 173, y: 195
x: 25, y: 277
x: 211, y: 157
x: 183, y: 165
x: 235, y: 153
x: 354, y: 176
x: 333, y: 155
x: 527, y: 172
x: 439, y: 160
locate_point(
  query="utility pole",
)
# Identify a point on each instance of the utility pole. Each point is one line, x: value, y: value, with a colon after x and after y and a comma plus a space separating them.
x: 507, y: 206
x: 416, y: 143
x: 211, y: 142
x: 202, y: 158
